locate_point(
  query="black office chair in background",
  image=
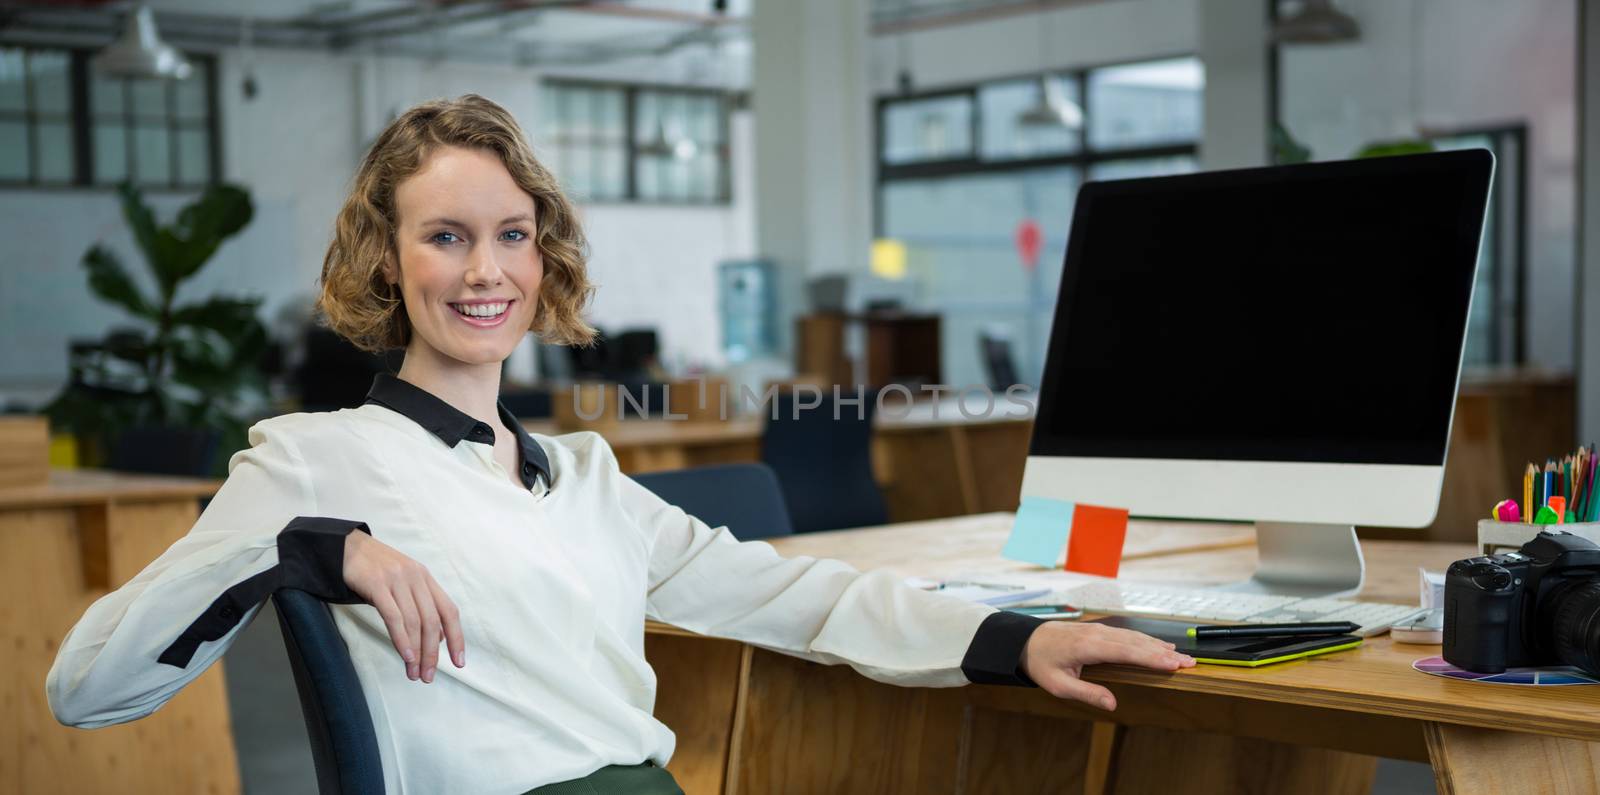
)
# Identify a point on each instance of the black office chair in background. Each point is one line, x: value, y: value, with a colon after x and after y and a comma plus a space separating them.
x: 335, y: 374
x: 823, y: 459
x: 528, y: 404
x: 344, y: 746
x: 998, y: 362
x: 187, y: 452
x: 746, y: 498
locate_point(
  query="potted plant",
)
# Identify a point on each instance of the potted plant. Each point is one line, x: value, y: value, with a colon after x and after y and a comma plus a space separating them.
x: 180, y: 384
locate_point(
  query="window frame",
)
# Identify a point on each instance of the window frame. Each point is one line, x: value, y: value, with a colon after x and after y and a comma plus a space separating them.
x: 1507, y: 346
x: 725, y: 102
x: 81, y: 120
x: 1084, y: 156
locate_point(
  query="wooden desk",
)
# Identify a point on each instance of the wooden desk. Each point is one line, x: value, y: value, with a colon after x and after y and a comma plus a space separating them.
x: 65, y: 544
x: 930, y: 460
x: 752, y: 721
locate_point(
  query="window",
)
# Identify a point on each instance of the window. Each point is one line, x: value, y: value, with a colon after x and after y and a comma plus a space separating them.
x: 586, y: 139
x: 680, y: 146
x: 35, y: 117
x: 1006, y: 134
x: 156, y: 133
x: 936, y: 128
x: 612, y: 142
x: 961, y: 170
x: 62, y: 123
x: 1145, y: 104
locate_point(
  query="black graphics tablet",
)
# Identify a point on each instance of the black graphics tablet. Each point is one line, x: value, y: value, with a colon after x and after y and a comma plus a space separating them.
x: 1245, y: 652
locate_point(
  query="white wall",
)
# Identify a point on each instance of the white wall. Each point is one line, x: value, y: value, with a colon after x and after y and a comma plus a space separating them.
x: 813, y: 160
x: 296, y: 146
x: 1453, y: 64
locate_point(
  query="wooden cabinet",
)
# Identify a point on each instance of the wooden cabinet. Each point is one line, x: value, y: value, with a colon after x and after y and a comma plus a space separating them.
x: 900, y: 348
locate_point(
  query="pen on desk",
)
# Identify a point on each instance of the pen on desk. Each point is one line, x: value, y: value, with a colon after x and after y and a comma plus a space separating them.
x: 994, y: 586
x: 1274, y: 630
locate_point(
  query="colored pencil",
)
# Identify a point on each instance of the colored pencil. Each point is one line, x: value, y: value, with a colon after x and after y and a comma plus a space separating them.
x: 1527, y: 495
x: 1594, y: 503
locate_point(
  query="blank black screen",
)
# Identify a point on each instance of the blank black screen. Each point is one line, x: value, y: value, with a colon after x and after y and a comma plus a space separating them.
x: 1299, y: 313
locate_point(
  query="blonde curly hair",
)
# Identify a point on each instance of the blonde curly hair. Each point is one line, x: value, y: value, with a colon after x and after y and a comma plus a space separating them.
x: 357, y: 301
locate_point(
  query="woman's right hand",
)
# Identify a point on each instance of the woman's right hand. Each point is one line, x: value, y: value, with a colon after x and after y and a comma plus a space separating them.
x: 413, y: 606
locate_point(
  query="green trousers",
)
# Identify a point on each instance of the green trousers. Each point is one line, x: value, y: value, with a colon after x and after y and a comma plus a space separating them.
x: 645, y: 779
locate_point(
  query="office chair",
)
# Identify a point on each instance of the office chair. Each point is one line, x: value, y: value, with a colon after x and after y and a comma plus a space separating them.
x: 344, y: 746
x: 528, y: 404
x: 335, y: 374
x: 824, y: 464
x: 189, y: 452
x: 998, y: 363
x: 746, y: 498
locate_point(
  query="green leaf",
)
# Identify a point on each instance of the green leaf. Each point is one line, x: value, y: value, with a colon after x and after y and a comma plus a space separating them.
x: 109, y: 280
x: 1286, y: 149
x: 162, y: 250
x: 219, y: 213
x: 1404, y: 146
x: 205, y: 366
x: 138, y: 215
x: 128, y: 345
x: 202, y: 226
x: 226, y: 316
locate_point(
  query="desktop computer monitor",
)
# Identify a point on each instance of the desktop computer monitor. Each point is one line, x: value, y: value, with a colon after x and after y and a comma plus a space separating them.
x: 1278, y: 345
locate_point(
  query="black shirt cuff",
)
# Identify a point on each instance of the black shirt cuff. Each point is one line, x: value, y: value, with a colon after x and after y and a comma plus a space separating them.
x: 995, y: 656
x: 310, y: 558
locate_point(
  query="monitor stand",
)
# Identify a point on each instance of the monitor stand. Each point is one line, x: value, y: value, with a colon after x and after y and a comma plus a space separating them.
x: 1305, y: 560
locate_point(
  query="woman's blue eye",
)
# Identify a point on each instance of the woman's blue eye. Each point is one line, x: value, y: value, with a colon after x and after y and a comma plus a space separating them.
x: 515, y: 234
x: 445, y: 237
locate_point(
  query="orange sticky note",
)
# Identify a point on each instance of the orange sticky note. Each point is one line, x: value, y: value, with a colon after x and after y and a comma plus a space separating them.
x: 1095, y: 546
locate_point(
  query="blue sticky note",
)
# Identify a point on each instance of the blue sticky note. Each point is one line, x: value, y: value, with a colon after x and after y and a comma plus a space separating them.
x: 1040, y: 532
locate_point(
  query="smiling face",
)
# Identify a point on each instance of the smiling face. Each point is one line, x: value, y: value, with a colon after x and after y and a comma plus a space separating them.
x: 468, y: 267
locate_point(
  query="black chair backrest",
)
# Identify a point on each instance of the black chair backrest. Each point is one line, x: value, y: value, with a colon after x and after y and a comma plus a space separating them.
x: 335, y: 374
x: 823, y: 459
x: 998, y: 362
x: 190, y: 452
x: 746, y: 498
x: 528, y: 404
x: 344, y: 746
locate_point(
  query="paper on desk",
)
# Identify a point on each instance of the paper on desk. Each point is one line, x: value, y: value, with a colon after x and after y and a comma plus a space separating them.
x: 995, y: 597
x: 1051, y: 585
x: 1040, y: 532
x: 1432, y: 587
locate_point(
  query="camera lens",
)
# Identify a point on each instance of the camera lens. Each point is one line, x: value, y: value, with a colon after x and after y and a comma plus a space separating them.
x: 1574, y: 616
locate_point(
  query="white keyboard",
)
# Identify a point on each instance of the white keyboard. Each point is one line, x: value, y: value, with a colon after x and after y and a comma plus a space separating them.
x: 1207, y: 606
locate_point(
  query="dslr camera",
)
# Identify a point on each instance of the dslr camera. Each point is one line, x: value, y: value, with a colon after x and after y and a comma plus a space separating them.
x: 1539, y: 605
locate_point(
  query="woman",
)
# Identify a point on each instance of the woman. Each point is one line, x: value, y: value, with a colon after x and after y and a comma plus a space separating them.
x: 432, y: 518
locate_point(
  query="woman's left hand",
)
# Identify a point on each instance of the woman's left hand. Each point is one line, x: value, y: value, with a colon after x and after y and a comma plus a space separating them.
x: 1058, y: 650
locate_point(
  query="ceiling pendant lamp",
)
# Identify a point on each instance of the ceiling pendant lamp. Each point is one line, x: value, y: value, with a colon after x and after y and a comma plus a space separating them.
x: 1052, y: 109
x: 1317, y: 22
x: 140, y: 52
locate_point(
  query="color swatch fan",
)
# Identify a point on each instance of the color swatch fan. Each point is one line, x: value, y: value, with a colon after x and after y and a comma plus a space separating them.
x: 1538, y: 677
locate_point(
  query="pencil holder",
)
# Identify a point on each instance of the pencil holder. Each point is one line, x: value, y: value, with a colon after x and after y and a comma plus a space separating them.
x: 1494, y: 536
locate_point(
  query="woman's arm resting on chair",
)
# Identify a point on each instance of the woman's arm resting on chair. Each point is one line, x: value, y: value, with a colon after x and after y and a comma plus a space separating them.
x: 138, y: 645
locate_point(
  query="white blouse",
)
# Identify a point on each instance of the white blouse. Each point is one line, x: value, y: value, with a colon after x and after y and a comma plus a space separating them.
x: 554, y: 580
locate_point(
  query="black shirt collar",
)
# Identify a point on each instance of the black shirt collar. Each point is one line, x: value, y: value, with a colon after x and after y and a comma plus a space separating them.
x: 452, y: 425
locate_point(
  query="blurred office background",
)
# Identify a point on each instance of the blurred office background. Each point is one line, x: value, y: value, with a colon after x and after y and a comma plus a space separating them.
x: 851, y: 192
